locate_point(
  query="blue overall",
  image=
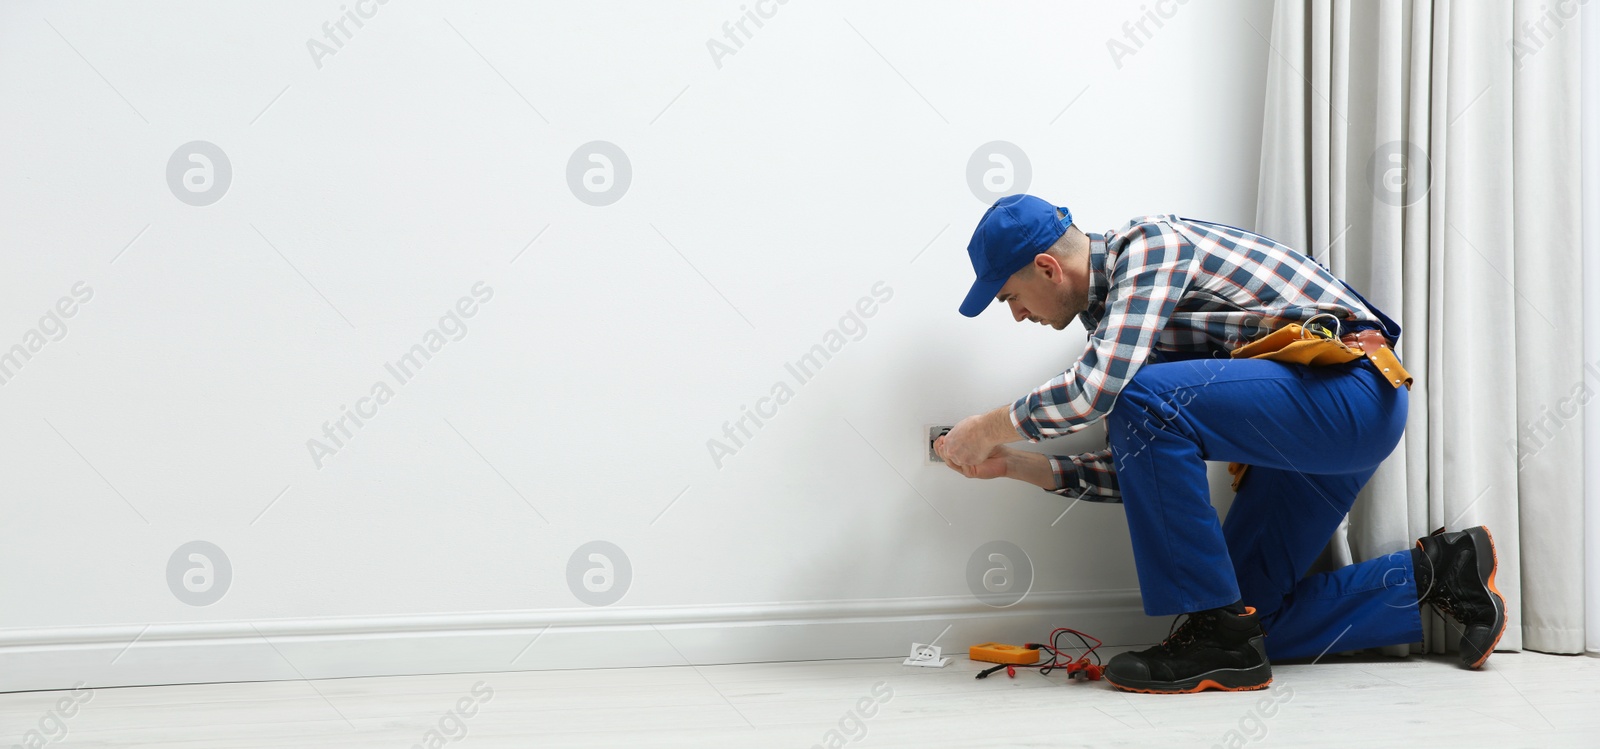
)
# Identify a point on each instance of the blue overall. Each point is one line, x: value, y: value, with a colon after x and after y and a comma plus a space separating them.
x: 1312, y: 436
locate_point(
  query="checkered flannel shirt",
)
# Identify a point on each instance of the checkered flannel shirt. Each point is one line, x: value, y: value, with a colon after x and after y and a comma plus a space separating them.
x: 1170, y: 284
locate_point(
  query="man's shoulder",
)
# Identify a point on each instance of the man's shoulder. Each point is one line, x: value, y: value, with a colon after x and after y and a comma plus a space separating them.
x: 1207, y: 236
x: 1228, y: 235
x: 1148, y: 224
x: 1144, y: 233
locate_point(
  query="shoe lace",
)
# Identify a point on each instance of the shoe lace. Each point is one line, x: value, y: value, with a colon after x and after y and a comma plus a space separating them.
x: 1445, y: 600
x: 1443, y: 595
x: 1194, y: 624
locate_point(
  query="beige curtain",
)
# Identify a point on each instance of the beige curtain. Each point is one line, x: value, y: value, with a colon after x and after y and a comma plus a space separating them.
x: 1591, y: 311
x: 1428, y: 153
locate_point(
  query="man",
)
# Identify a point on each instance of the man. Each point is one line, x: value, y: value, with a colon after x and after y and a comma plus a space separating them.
x: 1165, y: 299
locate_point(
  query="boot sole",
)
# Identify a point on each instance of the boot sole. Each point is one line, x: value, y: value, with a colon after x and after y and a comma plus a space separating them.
x: 1223, y: 679
x: 1201, y: 687
x: 1487, y: 567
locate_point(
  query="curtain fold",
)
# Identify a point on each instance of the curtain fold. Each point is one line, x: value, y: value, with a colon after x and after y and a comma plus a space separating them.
x: 1406, y: 147
x: 1546, y: 116
x: 1591, y: 311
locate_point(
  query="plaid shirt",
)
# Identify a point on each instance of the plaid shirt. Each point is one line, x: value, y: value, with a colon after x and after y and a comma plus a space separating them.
x: 1170, y: 285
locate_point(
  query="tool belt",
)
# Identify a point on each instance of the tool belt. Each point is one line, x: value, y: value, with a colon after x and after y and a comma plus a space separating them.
x: 1314, y: 345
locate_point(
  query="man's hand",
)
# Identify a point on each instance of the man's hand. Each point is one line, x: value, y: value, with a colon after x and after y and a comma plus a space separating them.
x: 972, y: 440
x: 993, y: 467
x: 1022, y: 465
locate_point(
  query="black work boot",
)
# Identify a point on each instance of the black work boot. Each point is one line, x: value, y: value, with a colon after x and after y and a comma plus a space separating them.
x: 1213, y: 649
x: 1455, y: 573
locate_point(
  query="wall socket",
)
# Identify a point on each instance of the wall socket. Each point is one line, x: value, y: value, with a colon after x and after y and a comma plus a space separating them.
x: 934, y: 432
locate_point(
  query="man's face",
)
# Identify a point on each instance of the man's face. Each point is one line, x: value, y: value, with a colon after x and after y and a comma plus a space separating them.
x: 1043, y: 292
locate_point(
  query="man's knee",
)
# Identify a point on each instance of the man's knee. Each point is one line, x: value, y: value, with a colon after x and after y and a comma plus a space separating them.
x: 1153, y: 400
x: 1140, y: 418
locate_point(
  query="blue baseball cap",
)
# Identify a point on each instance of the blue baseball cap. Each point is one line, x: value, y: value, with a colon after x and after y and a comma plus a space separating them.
x: 1011, y: 233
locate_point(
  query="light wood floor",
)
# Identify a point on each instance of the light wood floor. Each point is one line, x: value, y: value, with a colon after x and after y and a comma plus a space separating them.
x: 1518, y: 700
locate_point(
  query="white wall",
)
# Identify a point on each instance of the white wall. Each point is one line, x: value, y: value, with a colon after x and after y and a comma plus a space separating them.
x: 824, y: 159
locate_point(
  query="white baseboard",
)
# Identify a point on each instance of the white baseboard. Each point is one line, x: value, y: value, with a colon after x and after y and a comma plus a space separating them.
x: 279, y: 649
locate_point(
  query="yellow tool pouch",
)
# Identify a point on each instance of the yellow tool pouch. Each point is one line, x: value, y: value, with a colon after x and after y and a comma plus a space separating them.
x: 1296, y: 344
x: 1314, y: 346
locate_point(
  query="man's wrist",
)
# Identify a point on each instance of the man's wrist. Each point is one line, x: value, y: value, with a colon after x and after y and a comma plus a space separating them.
x: 1032, y: 468
x: 1001, y: 430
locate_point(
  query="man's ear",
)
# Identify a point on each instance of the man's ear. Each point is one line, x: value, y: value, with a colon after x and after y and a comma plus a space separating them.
x: 1047, y: 265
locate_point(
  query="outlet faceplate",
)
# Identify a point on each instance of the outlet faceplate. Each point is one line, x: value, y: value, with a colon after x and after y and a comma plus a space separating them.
x: 934, y: 432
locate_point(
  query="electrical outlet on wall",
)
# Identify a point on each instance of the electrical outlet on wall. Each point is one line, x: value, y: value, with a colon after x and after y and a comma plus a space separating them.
x: 934, y: 432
